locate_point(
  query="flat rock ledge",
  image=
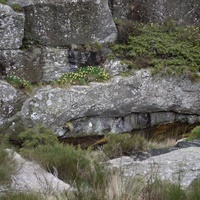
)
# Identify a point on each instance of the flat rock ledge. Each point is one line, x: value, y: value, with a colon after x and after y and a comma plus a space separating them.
x: 180, y: 166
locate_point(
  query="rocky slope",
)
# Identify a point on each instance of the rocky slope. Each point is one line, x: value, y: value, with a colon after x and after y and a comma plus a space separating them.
x: 51, y: 38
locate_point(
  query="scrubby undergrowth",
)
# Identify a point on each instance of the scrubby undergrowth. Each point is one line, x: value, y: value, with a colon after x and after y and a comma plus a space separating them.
x: 88, y: 170
x: 168, y: 49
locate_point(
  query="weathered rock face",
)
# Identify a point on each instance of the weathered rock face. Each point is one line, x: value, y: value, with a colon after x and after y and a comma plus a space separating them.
x: 183, y: 11
x: 180, y: 165
x: 69, y: 22
x: 45, y: 21
x: 24, y: 64
x: 123, y: 99
x: 10, y: 103
x: 11, y: 28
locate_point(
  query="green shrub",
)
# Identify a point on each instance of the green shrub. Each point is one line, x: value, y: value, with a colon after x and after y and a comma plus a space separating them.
x: 163, y: 190
x: 17, y: 7
x: 168, y: 50
x: 83, y: 76
x: 73, y: 165
x: 6, y: 167
x: 123, y: 144
x: 195, y: 133
x: 18, y: 82
x: 21, y: 196
x: 3, y: 1
x: 193, y: 191
x: 37, y: 136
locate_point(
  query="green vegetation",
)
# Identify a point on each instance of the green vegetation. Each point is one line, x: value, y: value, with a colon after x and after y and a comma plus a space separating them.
x: 83, y: 76
x: 6, y: 166
x: 195, y: 133
x: 21, y: 196
x: 17, y: 7
x: 34, y: 137
x: 124, y: 144
x: 3, y: 1
x: 163, y: 190
x: 168, y: 49
x: 87, y: 170
x: 74, y: 165
x: 18, y: 82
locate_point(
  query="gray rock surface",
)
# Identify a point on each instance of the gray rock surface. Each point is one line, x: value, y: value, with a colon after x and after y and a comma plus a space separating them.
x: 120, y: 97
x: 59, y: 23
x: 25, y: 64
x: 115, y: 67
x: 30, y: 177
x: 181, y: 165
x: 183, y: 11
x: 10, y: 102
x: 11, y: 28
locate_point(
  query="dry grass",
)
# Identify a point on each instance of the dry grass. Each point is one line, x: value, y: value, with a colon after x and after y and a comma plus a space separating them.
x: 169, y: 142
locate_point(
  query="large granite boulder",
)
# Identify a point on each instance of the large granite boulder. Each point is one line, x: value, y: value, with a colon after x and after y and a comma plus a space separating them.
x: 59, y: 23
x: 116, y: 100
x: 179, y: 166
x: 11, y: 28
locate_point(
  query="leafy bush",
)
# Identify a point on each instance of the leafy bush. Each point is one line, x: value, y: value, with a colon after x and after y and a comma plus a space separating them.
x: 18, y: 82
x: 123, y: 144
x: 195, y: 133
x: 169, y: 50
x: 34, y: 137
x: 83, y: 76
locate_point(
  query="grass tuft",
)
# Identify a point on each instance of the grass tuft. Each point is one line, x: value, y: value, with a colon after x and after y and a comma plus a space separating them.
x: 123, y: 144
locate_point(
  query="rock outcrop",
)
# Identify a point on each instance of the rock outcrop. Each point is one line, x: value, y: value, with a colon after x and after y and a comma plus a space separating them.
x: 62, y: 22
x: 123, y: 104
x: 178, y: 166
x: 184, y: 12
x: 11, y: 28
x: 11, y: 102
